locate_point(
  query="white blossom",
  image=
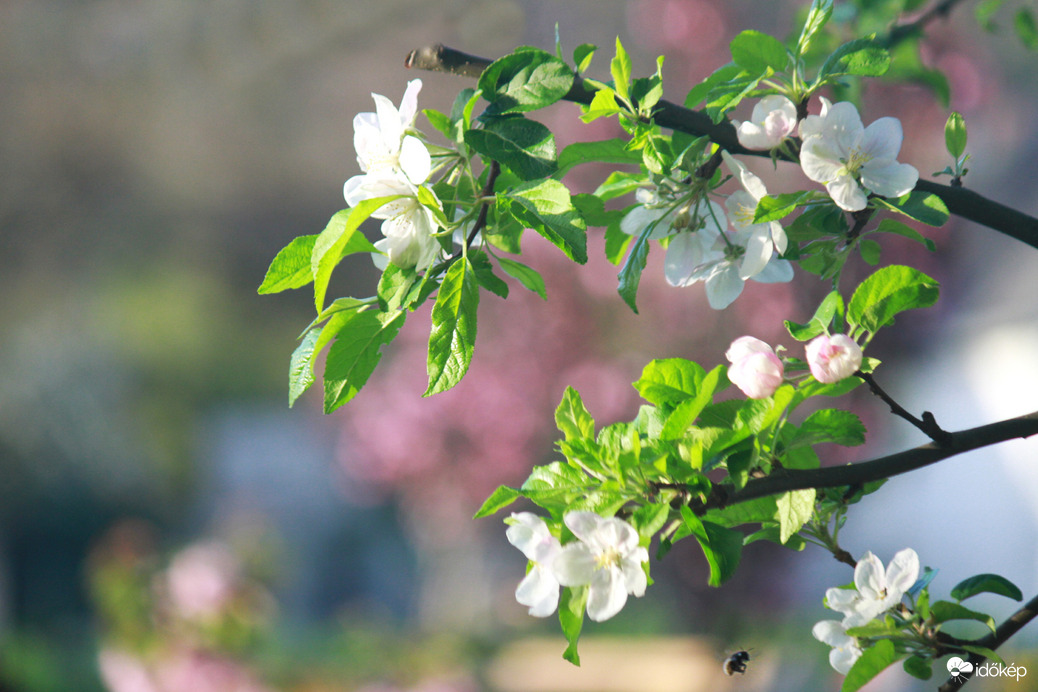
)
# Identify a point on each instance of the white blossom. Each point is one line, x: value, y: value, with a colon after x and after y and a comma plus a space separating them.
x: 764, y: 238
x: 845, y: 650
x: 773, y: 119
x: 607, y: 558
x: 833, y: 358
x: 654, y: 209
x: 876, y: 590
x: 539, y: 589
x: 408, y: 226
x: 852, y: 160
x: 716, y: 257
x: 383, y: 145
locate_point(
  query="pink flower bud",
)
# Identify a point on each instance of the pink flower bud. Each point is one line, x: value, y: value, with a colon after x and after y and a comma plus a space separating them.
x: 833, y: 358
x: 755, y: 369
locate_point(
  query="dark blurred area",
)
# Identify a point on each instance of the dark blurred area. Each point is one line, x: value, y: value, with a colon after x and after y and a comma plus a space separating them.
x: 159, y: 500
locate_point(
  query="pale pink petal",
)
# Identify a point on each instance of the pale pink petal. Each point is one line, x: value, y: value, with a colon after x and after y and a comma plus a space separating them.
x: 889, y: 178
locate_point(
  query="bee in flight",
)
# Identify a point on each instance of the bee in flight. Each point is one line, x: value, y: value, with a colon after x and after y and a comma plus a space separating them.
x: 736, y: 663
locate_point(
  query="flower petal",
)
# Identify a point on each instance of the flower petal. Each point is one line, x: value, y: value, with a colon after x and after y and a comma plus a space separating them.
x: 869, y: 576
x: 820, y: 160
x: 847, y: 194
x: 539, y: 590
x: 902, y: 571
x: 759, y: 249
x: 778, y: 271
x: 723, y: 286
x: 882, y: 139
x: 574, y: 566
x: 889, y: 178
x: 415, y: 161
x: 684, y: 254
x: 607, y: 595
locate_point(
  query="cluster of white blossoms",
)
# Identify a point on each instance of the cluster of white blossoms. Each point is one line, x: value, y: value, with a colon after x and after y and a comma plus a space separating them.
x: 701, y: 246
x: 851, y: 160
x: 875, y: 592
x: 606, y: 557
x: 395, y: 163
x: 758, y: 372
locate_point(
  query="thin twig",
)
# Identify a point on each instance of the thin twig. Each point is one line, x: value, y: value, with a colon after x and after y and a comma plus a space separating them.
x: 927, y: 425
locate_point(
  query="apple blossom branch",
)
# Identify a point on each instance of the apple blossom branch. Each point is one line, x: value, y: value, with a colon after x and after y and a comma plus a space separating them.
x: 1002, y: 633
x: 785, y: 480
x: 959, y: 200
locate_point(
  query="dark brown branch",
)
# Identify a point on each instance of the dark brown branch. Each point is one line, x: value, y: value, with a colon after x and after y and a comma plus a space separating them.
x: 928, y: 425
x: 905, y: 31
x: 785, y: 480
x: 960, y: 201
x: 994, y: 640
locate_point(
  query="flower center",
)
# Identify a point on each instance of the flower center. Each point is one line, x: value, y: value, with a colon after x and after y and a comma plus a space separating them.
x: 856, y: 160
x: 744, y: 214
x: 610, y: 557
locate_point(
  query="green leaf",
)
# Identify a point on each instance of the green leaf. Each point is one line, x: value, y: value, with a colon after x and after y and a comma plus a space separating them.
x: 794, y: 509
x: 485, y: 274
x: 728, y: 95
x: 776, y: 207
x: 395, y: 287
x: 955, y: 135
x: 985, y: 11
x: 986, y: 583
x: 527, y: 276
x: 620, y: 69
x: 453, y: 335
x: 572, y: 418
x: 339, y: 239
x: 817, y: 17
x: 631, y: 272
x: 1026, y: 30
x: 755, y: 52
x: 669, y: 381
x: 291, y: 267
x: 546, y: 207
x: 943, y: 611
x: 356, y: 352
x: 300, y: 367
x: 571, y: 618
x: 606, y: 150
x: 921, y: 206
x: 832, y: 425
x: 603, y: 104
x: 525, y: 146
x: 862, y: 57
x: 870, y: 251
x: 686, y: 412
x: 582, y: 55
x: 720, y: 76
x: 889, y: 291
x: 525, y: 80
x: 499, y: 499
x: 918, y: 667
x: 872, y: 662
x: 722, y: 548
x: 830, y: 307
x: 898, y: 228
